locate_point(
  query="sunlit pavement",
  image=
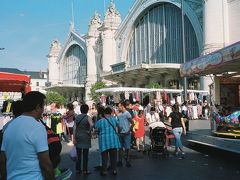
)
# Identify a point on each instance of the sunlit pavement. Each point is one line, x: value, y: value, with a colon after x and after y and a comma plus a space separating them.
x: 206, y: 164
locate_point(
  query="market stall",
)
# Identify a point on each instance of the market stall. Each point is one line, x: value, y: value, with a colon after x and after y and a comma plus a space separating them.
x: 10, y: 82
x: 170, y: 96
x: 224, y: 68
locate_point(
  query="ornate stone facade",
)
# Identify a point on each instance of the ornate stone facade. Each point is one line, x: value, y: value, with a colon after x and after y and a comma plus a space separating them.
x: 107, y: 42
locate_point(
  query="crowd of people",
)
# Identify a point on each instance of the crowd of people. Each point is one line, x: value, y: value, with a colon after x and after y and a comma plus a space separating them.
x: 36, y: 131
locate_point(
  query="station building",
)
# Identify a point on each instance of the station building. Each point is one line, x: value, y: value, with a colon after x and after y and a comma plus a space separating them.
x: 146, y: 46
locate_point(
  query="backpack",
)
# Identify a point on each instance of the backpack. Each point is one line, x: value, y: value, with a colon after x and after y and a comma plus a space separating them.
x: 51, y: 136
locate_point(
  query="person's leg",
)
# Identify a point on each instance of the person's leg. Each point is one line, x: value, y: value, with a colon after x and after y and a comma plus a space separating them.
x: 127, y: 139
x: 120, y: 152
x: 142, y: 143
x: 79, y: 158
x: 104, y: 161
x: 85, y: 161
x: 120, y: 156
x: 137, y: 143
x: 177, y: 134
x: 113, y: 158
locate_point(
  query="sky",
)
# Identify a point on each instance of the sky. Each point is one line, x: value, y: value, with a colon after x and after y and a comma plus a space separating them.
x: 27, y: 27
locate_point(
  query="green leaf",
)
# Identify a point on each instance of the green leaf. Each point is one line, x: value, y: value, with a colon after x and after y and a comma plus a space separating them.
x: 152, y: 85
x: 55, y: 97
x: 98, y: 85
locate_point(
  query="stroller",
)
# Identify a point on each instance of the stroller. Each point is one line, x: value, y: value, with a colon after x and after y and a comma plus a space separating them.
x: 158, y: 142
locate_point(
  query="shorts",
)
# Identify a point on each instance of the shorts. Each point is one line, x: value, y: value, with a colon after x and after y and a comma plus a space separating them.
x: 125, y: 140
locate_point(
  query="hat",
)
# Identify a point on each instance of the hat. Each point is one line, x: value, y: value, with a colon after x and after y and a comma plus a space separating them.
x: 140, y: 108
x: 75, y: 103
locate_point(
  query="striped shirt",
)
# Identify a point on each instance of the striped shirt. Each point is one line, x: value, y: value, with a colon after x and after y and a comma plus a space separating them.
x: 108, y: 138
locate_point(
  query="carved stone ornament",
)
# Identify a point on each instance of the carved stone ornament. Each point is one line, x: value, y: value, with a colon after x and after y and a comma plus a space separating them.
x: 112, y: 11
x: 144, y: 1
x: 96, y: 19
x: 55, y: 48
x: 55, y: 44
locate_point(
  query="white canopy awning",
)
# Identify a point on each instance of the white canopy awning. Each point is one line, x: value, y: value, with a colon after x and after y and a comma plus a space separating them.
x: 146, y: 90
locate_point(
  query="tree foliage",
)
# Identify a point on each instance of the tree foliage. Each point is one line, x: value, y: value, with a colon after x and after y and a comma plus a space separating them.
x: 55, y: 97
x: 93, y: 94
x: 152, y: 85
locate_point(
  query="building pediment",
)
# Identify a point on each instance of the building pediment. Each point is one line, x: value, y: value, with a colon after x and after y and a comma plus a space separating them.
x: 72, y: 39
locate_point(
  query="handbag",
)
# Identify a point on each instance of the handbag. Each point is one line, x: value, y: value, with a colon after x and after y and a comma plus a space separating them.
x: 73, y: 153
x: 112, y: 126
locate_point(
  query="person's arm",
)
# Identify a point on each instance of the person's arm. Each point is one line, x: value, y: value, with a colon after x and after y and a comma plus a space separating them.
x: 183, y: 125
x: 90, y: 121
x: 3, y: 169
x: 147, y: 119
x: 46, y: 165
x: 170, y: 119
x: 131, y: 121
x: 157, y: 117
x: 74, y: 133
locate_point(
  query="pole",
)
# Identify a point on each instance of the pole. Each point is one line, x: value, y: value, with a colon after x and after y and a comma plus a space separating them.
x: 184, y: 52
x: 72, y: 13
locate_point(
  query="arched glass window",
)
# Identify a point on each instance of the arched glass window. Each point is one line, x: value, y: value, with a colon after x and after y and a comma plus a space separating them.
x: 75, y: 66
x: 157, y: 37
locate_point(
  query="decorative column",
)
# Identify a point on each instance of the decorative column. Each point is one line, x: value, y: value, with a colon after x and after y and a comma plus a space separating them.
x: 111, y: 23
x: 53, y: 66
x: 214, y: 25
x: 215, y: 32
x: 93, y: 35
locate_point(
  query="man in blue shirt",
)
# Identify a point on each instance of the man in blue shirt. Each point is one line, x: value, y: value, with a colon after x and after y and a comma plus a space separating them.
x: 24, y: 151
x: 126, y: 124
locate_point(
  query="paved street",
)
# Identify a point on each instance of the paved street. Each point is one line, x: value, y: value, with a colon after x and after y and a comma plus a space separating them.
x: 206, y: 164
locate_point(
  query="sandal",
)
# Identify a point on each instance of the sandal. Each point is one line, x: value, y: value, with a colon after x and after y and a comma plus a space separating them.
x: 85, y: 173
x: 114, y: 172
x: 103, y: 173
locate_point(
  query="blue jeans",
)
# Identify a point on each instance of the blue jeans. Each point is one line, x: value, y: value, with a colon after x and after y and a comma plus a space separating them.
x: 177, y: 132
x: 125, y: 140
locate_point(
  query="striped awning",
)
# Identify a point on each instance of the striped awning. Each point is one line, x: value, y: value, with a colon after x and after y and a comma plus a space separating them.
x: 221, y: 61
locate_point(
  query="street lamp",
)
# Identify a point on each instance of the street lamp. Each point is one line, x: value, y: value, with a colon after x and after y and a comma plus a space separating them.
x: 184, y: 52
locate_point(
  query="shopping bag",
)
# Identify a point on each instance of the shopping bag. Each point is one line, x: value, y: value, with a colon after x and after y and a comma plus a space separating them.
x: 73, y: 153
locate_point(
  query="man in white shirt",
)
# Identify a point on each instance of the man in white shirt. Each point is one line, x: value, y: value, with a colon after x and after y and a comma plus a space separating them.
x: 152, y: 116
x: 24, y: 151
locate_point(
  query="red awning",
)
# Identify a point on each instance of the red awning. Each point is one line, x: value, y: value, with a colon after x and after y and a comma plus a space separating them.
x: 10, y: 82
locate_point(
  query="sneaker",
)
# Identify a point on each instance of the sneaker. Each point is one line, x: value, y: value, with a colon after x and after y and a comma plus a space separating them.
x: 119, y: 163
x: 176, y: 154
x: 78, y: 171
x: 65, y: 174
x: 98, y: 168
x: 70, y: 143
x: 128, y: 164
x: 183, y: 154
x: 103, y: 173
x: 86, y: 173
x: 114, y: 172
